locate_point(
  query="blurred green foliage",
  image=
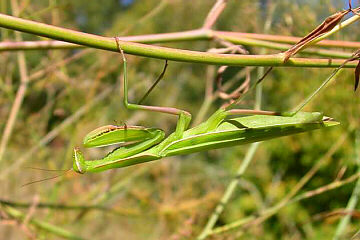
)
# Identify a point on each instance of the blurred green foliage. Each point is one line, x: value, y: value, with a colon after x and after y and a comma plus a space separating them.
x: 171, y: 198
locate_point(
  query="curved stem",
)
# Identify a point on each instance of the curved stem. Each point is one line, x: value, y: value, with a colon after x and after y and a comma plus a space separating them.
x: 109, y: 44
x: 277, y: 42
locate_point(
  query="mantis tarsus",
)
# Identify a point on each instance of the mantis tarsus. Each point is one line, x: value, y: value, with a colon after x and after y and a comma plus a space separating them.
x: 222, y: 129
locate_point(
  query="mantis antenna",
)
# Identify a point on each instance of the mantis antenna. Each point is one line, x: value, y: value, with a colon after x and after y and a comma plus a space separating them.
x: 49, y: 178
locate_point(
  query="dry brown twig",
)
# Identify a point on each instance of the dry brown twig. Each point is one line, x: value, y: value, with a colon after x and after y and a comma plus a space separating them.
x: 214, y: 14
x: 336, y: 213
x: 229, y: 47
x: 326, y: 188
x: 6, y: 219
x: 325, y: 27
x: 341, y: 173
x: 20, y: 94
x: 232, y: 49
x: 243, y: 88
x: 31, y: 210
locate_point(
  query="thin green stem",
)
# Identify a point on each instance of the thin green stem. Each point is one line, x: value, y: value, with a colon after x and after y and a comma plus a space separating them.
x: 289, y: 39
x: 228, y: 193
x: 42, y: 224
x: 354, y: 199
x: 53, y: 133
x: 289, y: 198
x: 284, y: 47
x: 249, y: 154
x: 120, y: 186
x: 271, y: 211
x: 109, y: 44
x: 54, y: 206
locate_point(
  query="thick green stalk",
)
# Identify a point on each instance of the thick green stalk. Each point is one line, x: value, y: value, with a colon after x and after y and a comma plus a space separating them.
x: 104, y: 43
x: 248, y: 39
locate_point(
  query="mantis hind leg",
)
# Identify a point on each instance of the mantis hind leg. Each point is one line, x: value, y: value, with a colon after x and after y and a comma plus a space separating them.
x: 313, y: 94
x: 233, y: 111
x: 184, y: 116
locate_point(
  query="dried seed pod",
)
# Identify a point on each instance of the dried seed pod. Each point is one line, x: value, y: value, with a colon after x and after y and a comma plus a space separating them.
x: 324, y: 27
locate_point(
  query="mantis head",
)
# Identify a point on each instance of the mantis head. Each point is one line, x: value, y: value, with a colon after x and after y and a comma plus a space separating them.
x: 79, y: 164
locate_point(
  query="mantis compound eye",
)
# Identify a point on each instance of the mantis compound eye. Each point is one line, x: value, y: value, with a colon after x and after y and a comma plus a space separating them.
x: 79, y: 165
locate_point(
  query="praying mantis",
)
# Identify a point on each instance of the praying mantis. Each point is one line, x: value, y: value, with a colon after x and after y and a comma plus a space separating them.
x: 224, y: 128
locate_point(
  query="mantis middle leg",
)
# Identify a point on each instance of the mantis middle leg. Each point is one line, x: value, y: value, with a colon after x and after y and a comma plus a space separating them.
x: 231, y: 110
x: 184, y: 116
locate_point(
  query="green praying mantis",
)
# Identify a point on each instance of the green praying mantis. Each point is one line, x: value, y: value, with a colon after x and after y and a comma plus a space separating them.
x: 224, y: 128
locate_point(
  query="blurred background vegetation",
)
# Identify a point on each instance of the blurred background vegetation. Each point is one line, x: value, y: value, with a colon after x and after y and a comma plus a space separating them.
x: 174, y: 197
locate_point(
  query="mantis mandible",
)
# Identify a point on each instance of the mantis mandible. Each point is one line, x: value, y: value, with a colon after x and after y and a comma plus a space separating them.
x: 222, y: 129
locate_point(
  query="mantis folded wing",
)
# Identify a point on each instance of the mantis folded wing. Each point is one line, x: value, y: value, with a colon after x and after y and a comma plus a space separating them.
x: 221, y: 130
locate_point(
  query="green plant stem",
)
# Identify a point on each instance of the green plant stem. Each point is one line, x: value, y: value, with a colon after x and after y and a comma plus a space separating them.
x: 228, y: 192
x: 3, y: 9
x: 249, y: 154
x: 289, y: 197
x: 65, y: 207
x: 354, y: 199
x: 42, y: 225
x: 289, y: 39
x: 55, y: 206
x: 120, y: 186
x: 249, y: 39
x: 284, y: 47
x: 271, y: 211
x: 104, y: 43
